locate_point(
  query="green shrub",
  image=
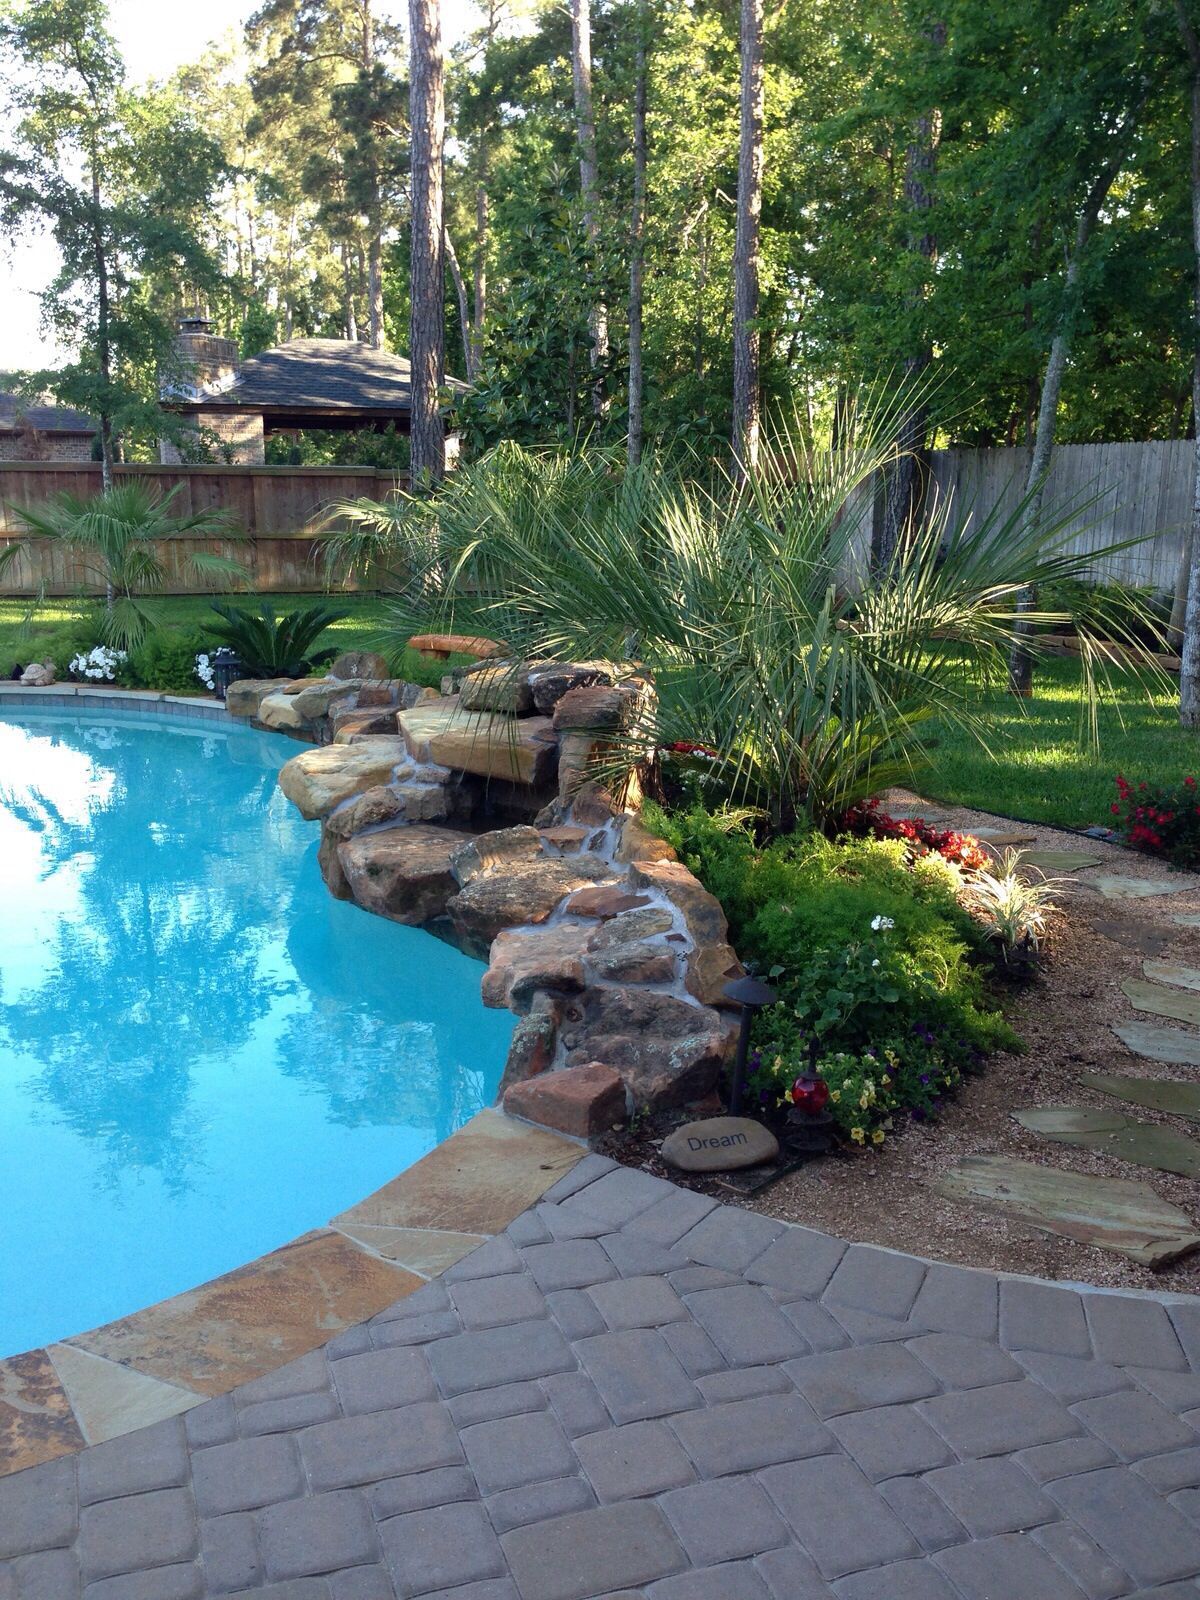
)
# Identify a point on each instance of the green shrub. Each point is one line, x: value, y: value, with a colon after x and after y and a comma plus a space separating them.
x: 165, y: 660
x: 875, y: 960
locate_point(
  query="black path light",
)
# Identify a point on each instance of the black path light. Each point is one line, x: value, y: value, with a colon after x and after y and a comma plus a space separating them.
x: 227, y: 668
x: 752, y: 996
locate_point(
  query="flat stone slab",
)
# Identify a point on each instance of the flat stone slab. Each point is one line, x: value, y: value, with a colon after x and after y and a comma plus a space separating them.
x: 719, y: 1144
x: 1002, y: 838
x: 318, y: 780
x: 519, y: 749
x: 1175, y: 1096
x: 1111, y: 1213
x: 1171, y: 972
x: 1113, y: 886
x: 1160, y: 1044
x: 1156, y: 998
x: 1146, y: 1144
x: 1187, y: 919
x: 1060, y: 860
x: 1132, y: 932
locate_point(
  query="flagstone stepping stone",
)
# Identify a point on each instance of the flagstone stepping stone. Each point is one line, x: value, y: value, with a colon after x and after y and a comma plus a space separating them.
x: 1060, y: 860
x: 1187, y: 919
x: 1160, y: 1044
x: 1147, y: 1144
x: 1112, y: 1213
x: 1114, y: 887
x: 1163, y: 1002
x: 1176, y: 1096
x: 1171, y: 972
x: 1001, y: 838
x: 1133, y: 933
x: 719, y: 1144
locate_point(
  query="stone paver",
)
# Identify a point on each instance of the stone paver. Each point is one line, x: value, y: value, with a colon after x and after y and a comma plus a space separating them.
x: 636, y: 1394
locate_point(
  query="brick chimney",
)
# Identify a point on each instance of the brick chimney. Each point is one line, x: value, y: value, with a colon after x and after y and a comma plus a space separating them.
x: 205, y: 364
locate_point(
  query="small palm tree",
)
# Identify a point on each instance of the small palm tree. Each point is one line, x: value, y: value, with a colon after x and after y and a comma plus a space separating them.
x: 271, y: 646
x: 116, y: 539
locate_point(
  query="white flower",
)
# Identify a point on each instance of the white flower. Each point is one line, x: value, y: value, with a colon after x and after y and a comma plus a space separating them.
x: 875, y: 963
x: 882, y: 924
x: 204, y: 670
x: 99, y: 663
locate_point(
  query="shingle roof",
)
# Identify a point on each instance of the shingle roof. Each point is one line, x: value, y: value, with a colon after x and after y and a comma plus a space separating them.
x: 325, y: 373
x: 16, y: 414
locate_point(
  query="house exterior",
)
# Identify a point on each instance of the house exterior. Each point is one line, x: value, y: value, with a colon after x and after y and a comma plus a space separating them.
x: 34, y: 432
x: 304, y: 384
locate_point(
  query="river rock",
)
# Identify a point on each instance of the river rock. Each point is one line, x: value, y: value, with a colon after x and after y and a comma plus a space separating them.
x: 318, y: 780
x: 360, y: 664
x: 243, y: 698
x: 402, y: 873
x: 524, y: 892
x: 520, y: 964
x: 667, y: 1051
x: 719, y: 1144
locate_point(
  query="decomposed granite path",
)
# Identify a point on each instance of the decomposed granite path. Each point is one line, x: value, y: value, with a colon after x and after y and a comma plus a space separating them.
x: 636, y: 1392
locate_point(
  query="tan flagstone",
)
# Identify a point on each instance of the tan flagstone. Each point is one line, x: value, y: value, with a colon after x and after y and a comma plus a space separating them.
x: 36, y: 1421
x: 424, y: 1250
x: 255, y: 1319
x: 109, y: 1399
x: 482, y: 1177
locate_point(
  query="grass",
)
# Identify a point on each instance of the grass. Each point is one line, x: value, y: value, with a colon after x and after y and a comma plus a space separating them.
x: 1036, y: 767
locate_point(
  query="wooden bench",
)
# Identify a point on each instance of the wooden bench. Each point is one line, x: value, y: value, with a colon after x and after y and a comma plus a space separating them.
x: 441, y: 646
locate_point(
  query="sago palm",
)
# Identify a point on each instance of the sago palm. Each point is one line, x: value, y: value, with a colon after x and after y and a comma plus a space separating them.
x: 117, y: 540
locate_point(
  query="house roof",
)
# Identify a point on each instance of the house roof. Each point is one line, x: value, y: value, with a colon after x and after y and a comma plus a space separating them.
x: 321, y: 375
x: 17, y: 414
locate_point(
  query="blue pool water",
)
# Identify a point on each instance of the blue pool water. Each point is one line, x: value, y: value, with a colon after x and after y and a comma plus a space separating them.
x: 202, y: 1053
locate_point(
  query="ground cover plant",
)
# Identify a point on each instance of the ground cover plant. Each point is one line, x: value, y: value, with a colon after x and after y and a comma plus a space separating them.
x: 878, y: 963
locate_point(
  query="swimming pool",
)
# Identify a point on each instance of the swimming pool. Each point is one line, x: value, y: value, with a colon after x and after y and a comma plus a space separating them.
x: 202, y: 1053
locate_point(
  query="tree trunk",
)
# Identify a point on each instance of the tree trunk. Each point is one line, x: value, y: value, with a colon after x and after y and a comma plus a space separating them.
x: 1189, y: 673
x: 1020, y: 661
x: 589, y: 182
x: 464, y: 315
x: 905, y: 488
x: 374, y: 204
x: 348, y: 281
x: 479, y: 287
x: 746, y: 398
x: 637, y: 223
x: 103, y: 341
x: 427, y: 113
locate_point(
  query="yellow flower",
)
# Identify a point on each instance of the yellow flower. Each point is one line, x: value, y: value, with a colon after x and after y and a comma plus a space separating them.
x: 877, y: 1136
x: 849, y: 1083
x: 864, y: 1100
x: 835, y: 1095
x: 787, y: 1095
x: 857, y: 1135
x: 886, y: 1081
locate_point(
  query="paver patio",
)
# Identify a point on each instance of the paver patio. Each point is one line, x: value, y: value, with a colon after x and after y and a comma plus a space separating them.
x: 637, y: 1392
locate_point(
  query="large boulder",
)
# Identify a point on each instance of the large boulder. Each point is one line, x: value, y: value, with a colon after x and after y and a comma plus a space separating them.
x: 243, y: 698
x: 369, y: 809
x: 359, y: 664
x: 524, y: 892
x: 521, y: 964
x: 319, y: 780
x: 503, y: 686
x: 315, y: 700
x: 667, y: 1051
x: 278, y: 710
x: 595, y: 708
x: 549, y: 681
x: 498, y: 851
x: 485, y: 743
x: 401, y: 873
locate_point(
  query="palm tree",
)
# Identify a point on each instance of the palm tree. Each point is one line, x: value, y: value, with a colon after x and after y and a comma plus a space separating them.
x: 117, y: 539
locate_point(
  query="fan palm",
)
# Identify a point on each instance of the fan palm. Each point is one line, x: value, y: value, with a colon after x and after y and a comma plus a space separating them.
x: 771, y: 638
x: 117, y: 540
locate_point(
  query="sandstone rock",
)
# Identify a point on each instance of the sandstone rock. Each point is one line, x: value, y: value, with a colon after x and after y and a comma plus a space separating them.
x: 635, y: 963
x: 639, y: 844
x: 424, y: 802
x: 702, y: 914
x: 359, y: 664
x: 331, y: 866
x: 609, y: 901
x: 600, y: 708
x: 402, y: 873
x: 667, y: 1051
x: 533, y: 1042
x: 631, y: 925
x: 366, y: 810
x: 318, y: 780
x: 351, y: 724
x: 581, y: 1101
x: 502, y: 687
x: 567, y: 839
x: 549, y: 682
x: 483, y: 742
x: 524, y: 892
x: 709, y: 969
x: 315, y: 699
x: 719, y: 1144
x: 591, y: 805
x: 378, y: 692
x: 521, y: 964
x: 497, y: 851
x: 278, y: 710
x: 38, y: 675
x: 242, y: 699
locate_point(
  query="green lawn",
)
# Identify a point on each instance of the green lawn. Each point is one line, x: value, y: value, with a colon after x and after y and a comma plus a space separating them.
x: 1035, y: 766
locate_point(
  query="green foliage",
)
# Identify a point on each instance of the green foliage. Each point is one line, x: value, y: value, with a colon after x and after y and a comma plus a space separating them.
x: 318, y: 447
x: 165, y: 660
x: 1163, y: 819
x: 276, y: 647
x: 874, y: 958
x: 115, y: 538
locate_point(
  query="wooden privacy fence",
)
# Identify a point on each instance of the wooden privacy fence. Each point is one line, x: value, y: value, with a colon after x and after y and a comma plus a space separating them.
x: 273, y: 506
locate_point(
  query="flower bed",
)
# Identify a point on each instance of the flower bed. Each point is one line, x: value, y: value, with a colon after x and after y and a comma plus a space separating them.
x: 1161, y: 819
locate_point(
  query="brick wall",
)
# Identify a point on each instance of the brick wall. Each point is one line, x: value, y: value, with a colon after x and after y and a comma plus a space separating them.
x: 233, y: 436
x: 27, y: 444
